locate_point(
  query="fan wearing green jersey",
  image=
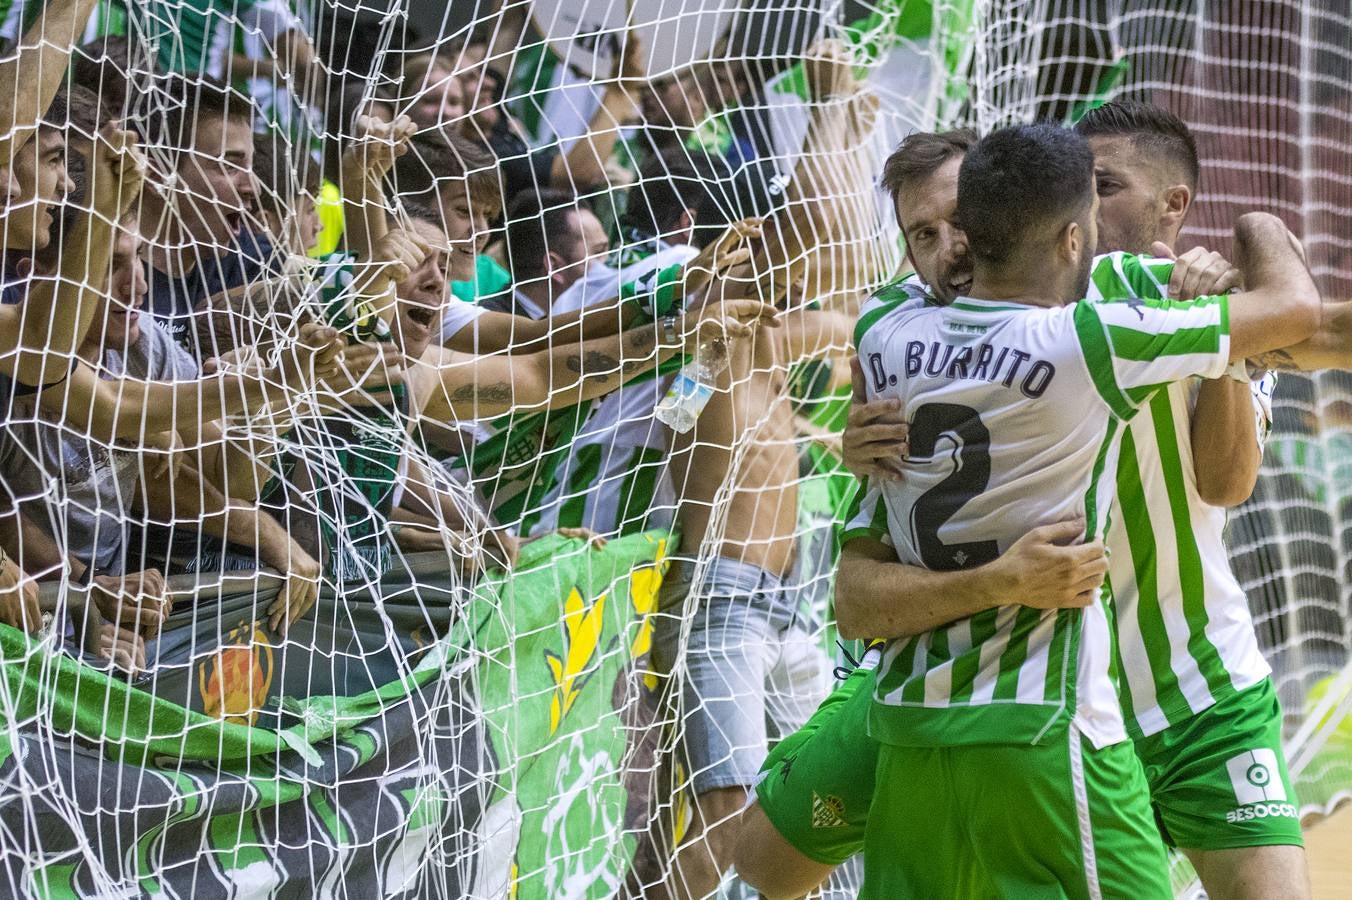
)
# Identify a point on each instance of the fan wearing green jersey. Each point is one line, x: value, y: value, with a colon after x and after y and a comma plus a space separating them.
x: 1008, y: 718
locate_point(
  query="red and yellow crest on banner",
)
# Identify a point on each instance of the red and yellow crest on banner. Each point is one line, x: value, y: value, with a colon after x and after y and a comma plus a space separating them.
x: 234, y: 681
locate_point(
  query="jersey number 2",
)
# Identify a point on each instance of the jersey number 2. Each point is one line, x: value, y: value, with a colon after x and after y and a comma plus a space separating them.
x: 971, y: 472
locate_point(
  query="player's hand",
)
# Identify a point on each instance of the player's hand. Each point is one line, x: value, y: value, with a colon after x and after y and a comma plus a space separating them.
x: 18, y: 597
x: 876, y: 436
x: 1198, y: 273
x: 1044, y: 569
x: 137, y: 601
x: 299, y: 592
x: 118, y: 171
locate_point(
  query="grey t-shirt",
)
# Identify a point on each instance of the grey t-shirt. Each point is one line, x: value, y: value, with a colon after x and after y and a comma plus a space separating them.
x: 89, y: 488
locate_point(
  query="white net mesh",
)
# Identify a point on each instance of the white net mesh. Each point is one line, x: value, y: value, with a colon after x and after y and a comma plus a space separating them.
x: 370, y: 356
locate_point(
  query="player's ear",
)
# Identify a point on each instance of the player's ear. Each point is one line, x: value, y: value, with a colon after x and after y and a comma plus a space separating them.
x: 1177, y: 201
x: 1070, y: 242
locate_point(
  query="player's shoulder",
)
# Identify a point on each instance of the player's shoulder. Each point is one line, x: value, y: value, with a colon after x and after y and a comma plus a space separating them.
x: 900, y: 297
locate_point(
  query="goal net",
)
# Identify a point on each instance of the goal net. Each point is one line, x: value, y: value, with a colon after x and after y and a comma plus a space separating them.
x: 332, y: 459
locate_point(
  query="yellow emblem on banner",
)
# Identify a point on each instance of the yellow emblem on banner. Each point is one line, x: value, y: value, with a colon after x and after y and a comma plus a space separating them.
x: 582, y: 627
x: 234, y: 681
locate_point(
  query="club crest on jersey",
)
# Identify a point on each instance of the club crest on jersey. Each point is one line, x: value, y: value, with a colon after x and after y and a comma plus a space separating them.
x: 828, y: 811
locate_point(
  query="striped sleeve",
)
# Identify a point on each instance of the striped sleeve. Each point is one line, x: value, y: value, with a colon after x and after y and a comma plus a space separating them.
x: 867, y: 515
x: 1123, y: 276
x: 1133, y: 347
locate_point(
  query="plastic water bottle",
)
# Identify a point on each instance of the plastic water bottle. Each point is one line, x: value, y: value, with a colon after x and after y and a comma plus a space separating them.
x: 694, y: 385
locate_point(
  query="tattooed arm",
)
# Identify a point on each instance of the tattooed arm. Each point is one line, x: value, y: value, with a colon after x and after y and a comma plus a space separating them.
x: 1329, y: 348
x: 471, y: 387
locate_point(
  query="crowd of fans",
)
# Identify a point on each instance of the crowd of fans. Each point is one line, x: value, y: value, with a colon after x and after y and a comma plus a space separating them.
x: 259, y: 313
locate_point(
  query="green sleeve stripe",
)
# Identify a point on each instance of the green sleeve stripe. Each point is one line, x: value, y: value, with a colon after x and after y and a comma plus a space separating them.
x: 1141, y: 393
x: 1098, y: 358
x: 851, y: 534
x: 875, y: 529
x: 1144, y: 346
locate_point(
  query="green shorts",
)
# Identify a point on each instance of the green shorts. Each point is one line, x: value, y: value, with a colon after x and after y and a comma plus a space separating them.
x: 1059, y: 820
x: 817, y: 784
x: 1218, y: 779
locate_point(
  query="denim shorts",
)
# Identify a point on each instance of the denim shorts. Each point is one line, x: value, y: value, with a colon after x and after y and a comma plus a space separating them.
x: 752, y: 670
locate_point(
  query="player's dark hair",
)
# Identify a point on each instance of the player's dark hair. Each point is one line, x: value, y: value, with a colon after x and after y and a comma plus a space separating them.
x: 436, y: 157
x: 537, y: 221
x: 1020, y: 180
x: 921, y: 154
x: 1150, y: 128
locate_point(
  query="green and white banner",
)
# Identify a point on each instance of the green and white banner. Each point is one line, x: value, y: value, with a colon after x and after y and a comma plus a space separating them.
x: 428, y: 741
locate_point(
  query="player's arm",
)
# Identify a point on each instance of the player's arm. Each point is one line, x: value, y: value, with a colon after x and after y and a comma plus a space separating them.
x: 1131, y: 349
x: 1226, y: 450
x: 34, y: 76
x: 565, y: 376
x: 1329, y: 348
x: 879, y: 597
x: 1280, y: 306
x: 584, y: 165
x: 651, y: 297
x: 825, y: 236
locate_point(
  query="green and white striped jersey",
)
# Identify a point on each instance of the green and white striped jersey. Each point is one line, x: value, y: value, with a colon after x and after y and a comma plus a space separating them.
x: 200, y: 35
x: 1016, y: 414
x: 1184, y: 630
